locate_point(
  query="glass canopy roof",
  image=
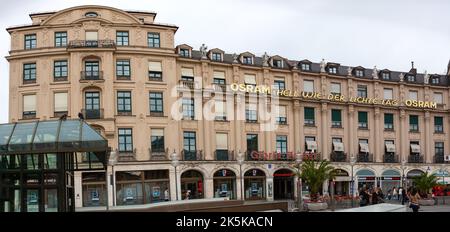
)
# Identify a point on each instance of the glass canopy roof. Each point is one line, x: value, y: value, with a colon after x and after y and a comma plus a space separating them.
x: 50, y: 136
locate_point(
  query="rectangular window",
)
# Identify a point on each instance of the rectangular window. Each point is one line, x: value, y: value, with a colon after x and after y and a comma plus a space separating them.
x: 91, y: 70
x: 220, y: 110
x: 279, y: 84
x: 188, y: 108
x: 122, y: 38
x: 389, y: 121
x: 219, y: 78
x: 413, y: 123
x: 252, y: 143
x: 156, y: 104
x: 362, y: 120
x: 30, y: 41
x: 281, y: 144
x: 154, y: 71
x: 221, y: 146
x: 157, y: 140
x: 308, y: 86
x: 251, y: 114
x: 332, y: 70
x: 184, y: 52
x: 189, y: 145
x: 439, y: 148
x: 60, y: 70
x: 388, y: 93
x: 216, y: 56
x: 310, y: 143
x: 125, y: 140
x: 91, y: 36
x: 309, y: 116
x: 438, y: 124
x: 386, y: 76
x: 29, y: 106
x: 335, y: 89
x: 123, y: 69
x: 60, y: 101
x: 336, y: 120
x: 250, y: 79
x: 153, y: 40
x: 282, y: 116
x: 438, y: 98
x: 29, y: 73
x: 277, y: 63
x: 60, y: 39
x: 124, y: 102
x: 411, y: 78
x: 306, y: 67
x: 187, y: 74
x: 359, y: 73
x: 362, y: 91
x: 247, y: 60
x: 413, y: 95
x: 435, y: 80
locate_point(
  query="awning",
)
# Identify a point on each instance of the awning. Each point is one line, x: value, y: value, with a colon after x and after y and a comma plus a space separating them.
x: 415, y: 148
x: 363, y: 147
x: 311, y: 145
x: 338, y: 146
x: 50, y: 137
x: 390, y: 147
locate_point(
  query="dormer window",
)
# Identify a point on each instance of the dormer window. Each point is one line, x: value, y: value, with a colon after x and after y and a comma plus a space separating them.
x: 411, y: 78
x: 184, y: 52
x: 332, y: 70
x: 216, y: 56
x: 359, y: 73
x: 277, y: 64
x: 305, y: 67
x: 435, y: 80
x: 386, y: 76
x: 247, y: 60
x: 91, y: 14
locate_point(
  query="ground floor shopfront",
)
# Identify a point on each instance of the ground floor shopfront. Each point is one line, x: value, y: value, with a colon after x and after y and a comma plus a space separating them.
x: 147, y: 183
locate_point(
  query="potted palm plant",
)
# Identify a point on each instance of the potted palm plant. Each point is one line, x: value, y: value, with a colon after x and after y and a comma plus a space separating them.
x: 314, y: 174
x: 424, y: 184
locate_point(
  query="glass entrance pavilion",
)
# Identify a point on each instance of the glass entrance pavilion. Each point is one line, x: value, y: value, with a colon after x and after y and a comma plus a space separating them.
x: 38, y: 160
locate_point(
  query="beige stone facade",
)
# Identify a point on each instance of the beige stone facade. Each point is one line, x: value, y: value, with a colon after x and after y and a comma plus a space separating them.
x: 92, y: 53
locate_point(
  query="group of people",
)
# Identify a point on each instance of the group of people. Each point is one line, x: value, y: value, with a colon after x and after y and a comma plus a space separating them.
x: 375, y: 196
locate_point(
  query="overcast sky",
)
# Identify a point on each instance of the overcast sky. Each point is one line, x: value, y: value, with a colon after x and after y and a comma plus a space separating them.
x: 386, y: 33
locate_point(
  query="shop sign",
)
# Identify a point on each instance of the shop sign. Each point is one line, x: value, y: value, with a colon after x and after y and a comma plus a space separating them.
x: 262, y: 89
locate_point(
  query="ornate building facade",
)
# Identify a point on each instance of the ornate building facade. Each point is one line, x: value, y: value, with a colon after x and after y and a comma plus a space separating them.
x: 121, y: 72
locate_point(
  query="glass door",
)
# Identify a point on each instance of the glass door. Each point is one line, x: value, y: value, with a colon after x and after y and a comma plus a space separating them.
x: 92, y: 104
x: 91, y: 70
x: 32, y: 200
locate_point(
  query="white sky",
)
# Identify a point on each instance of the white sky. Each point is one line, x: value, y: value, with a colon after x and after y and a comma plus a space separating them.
x: 384, y: 33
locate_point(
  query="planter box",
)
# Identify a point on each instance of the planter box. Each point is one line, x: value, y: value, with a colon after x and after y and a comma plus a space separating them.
x: 426, y: 202
x: 317, y: 206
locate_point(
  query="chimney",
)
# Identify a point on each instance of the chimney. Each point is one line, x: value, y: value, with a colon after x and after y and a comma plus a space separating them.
x: 448, y: 68
x: 413, y: 70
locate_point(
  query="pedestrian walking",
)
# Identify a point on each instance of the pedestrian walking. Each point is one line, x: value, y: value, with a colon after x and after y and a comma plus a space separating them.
x: 400, y: 192
x: 414, y: 200
x: 394, y: 193
x: 364, y: 197
x: 404, y: 196
x: 389, y: 194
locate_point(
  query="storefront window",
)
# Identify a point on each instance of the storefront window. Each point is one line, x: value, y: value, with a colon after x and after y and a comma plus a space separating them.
x: 51, y: 200
x: 32, y: 200
x: 254, y: 182
x: 94, y: 189
x: 225, y: 184
x: 50, y: 161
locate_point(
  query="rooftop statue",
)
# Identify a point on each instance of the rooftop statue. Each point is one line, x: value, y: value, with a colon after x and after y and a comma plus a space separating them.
x: 265, y: 58
x: 322, y: 65
x: 375, y: 72
x: 203, y: 50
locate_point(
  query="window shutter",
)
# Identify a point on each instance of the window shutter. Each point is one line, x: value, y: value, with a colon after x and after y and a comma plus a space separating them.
x: 438, y: 98
x: 219, y: 75
x: 91, y: 35
x: 157, y: 132
x: 60, y: 102
x: 187, y: 72
x: 308, y: 86
x: 154, y: 66
x: 29, y: 102
x: 250, y: 79
x: 221, y: 141
x: 282, y: 111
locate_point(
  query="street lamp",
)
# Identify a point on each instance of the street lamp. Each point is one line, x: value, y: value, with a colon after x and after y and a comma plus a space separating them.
x: 112, y: 161
x: 352, y: 163
x: 175, y: 163
x: 240, y: 160
x: 298, y: 161
x: 403, y: 172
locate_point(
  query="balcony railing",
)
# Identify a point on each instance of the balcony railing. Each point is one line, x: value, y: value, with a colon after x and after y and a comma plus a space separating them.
x: 365, y: 157
x: 224, y: 155
x: 192, y: 155
x: 159, y: 154
x: 92, y: 114
x: 390, y: 158
x: 220, y: 87
x: 311, y: 156
x: 91, y: 75
x: 269, y: 156
x: 439, y: 159
x: 188, y: 84
x: 338, y: 157
x: 92, y: 44
x: 416, y: 158
x: 125, y: 156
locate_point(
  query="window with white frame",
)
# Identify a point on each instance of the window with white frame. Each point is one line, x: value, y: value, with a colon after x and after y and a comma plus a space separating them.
x: 438, y: 98
x: 388, y: 94
x: 413, y: 95
x: 335, y: 88
x: 308, y: 86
